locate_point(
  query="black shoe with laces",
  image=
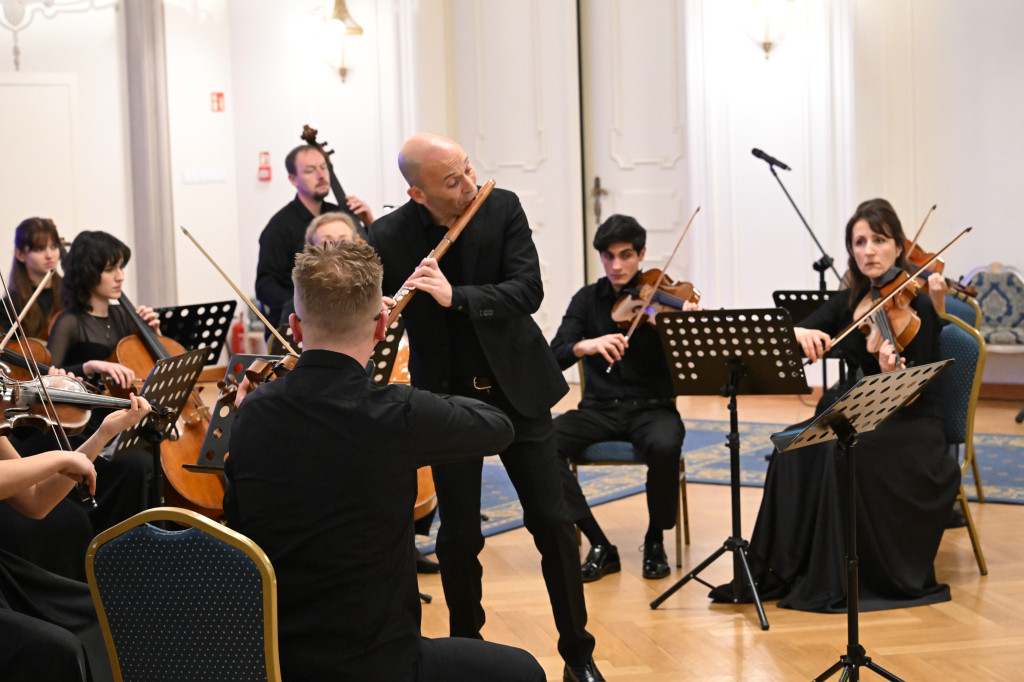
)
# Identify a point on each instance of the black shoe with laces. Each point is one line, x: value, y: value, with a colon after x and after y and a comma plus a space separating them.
x: 585, y: 673
x: 601, y: 560
x: 655, y: 561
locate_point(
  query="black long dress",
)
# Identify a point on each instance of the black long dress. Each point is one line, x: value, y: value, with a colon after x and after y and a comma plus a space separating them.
x: 906, y: 484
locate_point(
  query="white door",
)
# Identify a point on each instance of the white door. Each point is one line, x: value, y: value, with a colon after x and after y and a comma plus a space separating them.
x: 634, y: 124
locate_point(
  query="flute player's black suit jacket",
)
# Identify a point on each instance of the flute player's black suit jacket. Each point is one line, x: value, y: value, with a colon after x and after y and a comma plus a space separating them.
x: 495, y: 272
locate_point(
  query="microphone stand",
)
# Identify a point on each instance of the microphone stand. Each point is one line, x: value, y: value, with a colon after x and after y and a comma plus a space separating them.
x: 820, y: 266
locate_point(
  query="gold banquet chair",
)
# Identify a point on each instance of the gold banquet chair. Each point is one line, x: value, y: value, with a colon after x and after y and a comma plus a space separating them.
x: 618, y: 453
x: 195, y: 603
x: 960, y: 385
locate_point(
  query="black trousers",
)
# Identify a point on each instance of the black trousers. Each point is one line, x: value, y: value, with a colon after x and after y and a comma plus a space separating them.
x: 48, y: 626
x: 653, y: 426
x: 532, y: 465
x: 459, y: 658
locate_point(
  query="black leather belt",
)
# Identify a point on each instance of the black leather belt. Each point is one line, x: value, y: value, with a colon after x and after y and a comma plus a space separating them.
x: 477, y: 383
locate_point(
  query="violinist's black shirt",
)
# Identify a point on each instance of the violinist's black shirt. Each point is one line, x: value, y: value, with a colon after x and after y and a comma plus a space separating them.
x: 643, y: 371
x: 322, y: 476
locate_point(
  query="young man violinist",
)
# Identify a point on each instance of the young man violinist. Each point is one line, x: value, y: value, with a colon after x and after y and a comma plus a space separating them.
x: 634, y: 401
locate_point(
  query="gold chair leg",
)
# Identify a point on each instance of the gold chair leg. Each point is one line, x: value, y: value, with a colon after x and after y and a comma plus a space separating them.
x: 977, y: 478
x: 972, y: 531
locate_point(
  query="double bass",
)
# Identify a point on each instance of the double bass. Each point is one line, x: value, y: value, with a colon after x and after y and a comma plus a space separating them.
x: 198, y: 491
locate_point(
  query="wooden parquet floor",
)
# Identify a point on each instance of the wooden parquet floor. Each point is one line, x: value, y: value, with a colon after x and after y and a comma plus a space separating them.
x: 979, y: 635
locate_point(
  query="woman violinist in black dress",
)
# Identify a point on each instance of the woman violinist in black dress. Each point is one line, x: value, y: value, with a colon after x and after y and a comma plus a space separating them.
x: 81, y: 340
x: 906, y: 479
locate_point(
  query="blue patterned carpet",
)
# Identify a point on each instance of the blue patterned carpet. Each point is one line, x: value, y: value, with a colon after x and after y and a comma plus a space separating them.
x: 1000, y: 459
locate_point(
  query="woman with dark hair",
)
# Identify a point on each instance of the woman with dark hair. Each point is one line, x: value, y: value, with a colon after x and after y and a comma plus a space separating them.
x: 87, y: 333
x: 36, y: 252
x: 906, y: 479
x: 81, y: 340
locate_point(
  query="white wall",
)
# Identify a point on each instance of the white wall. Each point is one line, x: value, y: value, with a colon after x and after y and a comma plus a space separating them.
x: 85, y: 50
x: 938, y: 108
x: 916, y: 100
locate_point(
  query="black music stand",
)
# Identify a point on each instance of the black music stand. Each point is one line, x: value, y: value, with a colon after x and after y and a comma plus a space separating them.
x: 800, y: 304
x: 215, y: 444
x: 382, y: 362
x: 203, y: 325
x: 168, y: 385
x: 728, y: 353
x: 873, y: 400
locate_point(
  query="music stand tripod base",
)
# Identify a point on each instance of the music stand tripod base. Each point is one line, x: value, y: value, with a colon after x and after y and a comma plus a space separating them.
x: 728, y: 353
x: 873, y: 400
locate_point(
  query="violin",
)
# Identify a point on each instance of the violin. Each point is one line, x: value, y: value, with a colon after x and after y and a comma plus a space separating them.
x: 16, y: 364
x: 917, y: 257
x: 896, y: 322
x: 23, y: 403
x: 670, y: 295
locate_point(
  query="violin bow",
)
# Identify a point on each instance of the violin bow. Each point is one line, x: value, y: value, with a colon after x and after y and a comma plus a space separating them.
x: 921, y: 229
x: 405, y: 293
x: 885, y: 299
x: 646, y: 301
x: 287, y: 346
x: 19, y: 331
x: 24, y: 311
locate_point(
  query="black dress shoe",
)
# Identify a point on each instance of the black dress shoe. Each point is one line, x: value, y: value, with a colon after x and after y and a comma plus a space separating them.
x: 425, y: 565
x: 601, y: 560
x: 586, y: 673
x: 655, y: 562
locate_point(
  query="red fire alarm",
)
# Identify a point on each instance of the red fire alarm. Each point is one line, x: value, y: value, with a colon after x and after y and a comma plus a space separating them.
x: 263, y: 172
x: 217, y: 102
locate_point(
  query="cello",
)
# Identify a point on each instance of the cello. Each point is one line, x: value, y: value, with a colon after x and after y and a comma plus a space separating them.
x: 198, y: 491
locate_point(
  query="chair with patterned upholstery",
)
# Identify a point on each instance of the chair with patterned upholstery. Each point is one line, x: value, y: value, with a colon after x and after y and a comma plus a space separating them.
x: 621, y: 452
x: 960, y: 385
x: 965, y: 307
x: 197, y: 602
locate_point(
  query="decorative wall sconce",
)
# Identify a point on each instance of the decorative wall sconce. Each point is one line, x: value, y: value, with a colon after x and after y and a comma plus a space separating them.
x: 16, y: 15
x: 336, y: 37
x: 767, y: 21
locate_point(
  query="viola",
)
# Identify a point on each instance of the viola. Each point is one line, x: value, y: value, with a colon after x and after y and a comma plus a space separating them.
x: 896, y: 322
x: 200, y: 491
x: 17, y: 364
x: 917, y: 257
x: 670, y: 295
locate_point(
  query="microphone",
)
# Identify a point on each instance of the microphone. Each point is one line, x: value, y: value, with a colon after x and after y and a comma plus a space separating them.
x: 772, y: 161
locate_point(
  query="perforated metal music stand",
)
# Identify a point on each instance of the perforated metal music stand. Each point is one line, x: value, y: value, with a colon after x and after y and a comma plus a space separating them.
x: 728, y: 353
x: 203, y: 325
x: 382, y: 362
x: 800, y: 305
x: 215, y: 444
x: 873, y: 400
x: 168, y: 385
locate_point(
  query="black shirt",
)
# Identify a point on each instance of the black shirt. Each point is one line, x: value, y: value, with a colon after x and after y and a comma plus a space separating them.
x: 282, y: 238
x: 322, y: 476
x: 643, y: 371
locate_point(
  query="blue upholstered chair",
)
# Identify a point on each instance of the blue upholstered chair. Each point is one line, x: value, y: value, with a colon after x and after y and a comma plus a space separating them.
x: 620, y: 452
x: 196, y: 603
x: 964, y: 307
x: 960, y: 385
